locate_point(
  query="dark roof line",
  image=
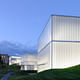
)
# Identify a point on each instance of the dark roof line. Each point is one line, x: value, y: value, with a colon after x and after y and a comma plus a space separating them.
x: 65, y: 15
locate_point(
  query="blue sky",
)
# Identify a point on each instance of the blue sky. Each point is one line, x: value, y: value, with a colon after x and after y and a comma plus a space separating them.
x: 23, y: 20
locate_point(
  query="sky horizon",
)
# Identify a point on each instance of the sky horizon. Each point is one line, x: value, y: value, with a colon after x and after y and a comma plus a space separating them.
x: 23, y: 20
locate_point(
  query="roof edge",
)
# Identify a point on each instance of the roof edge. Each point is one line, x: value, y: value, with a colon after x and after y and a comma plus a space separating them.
x: 65, y: 15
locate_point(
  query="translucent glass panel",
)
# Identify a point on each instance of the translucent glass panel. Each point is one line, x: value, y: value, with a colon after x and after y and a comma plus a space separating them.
x: 66, y: 28
x: 45, y: 36
x: 65, y: 54
x: 44, y: 58
x: 59, y: 48
x: 29, y: 57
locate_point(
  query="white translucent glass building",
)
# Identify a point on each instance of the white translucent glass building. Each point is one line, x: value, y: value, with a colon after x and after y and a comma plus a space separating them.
x: 29, y: 61
x: 14, y: 60
x: 59, y: 43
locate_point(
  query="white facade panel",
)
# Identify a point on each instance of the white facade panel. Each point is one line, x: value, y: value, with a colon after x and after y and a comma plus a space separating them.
x: 44, y: 48
x: 29, y: 57
x: 29, y: 61
x: 14, y: 60
x: 44, y: 58
x: 66, y: 28
x: 45, y: 36
x: 65, y: 54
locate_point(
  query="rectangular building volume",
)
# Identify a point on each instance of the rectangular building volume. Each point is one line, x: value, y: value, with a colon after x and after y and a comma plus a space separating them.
x: 59, y: 43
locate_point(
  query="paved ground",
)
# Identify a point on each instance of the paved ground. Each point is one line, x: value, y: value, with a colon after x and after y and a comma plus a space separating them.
x: 5, y: 77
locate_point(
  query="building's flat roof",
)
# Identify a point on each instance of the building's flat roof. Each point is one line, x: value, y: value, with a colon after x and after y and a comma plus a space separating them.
x: 15, y: 56
x: 65, y: 15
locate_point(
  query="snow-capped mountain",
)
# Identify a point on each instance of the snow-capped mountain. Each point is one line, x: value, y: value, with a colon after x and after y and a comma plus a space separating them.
x: 10, y: 48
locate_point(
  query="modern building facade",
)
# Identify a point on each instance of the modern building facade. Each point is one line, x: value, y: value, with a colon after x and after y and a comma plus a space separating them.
x: 4, y: 58
x: 14, y: 60
x: 59, y: 43
x: 29, y: 61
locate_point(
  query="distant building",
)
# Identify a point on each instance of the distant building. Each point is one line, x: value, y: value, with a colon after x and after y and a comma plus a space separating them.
x: 59, y: 43
x: 14, y: 60
x: 4, y: 58
x: 29, y: 61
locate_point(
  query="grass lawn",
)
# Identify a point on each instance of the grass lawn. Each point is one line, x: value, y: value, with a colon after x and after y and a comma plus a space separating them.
x: 72, y: 73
